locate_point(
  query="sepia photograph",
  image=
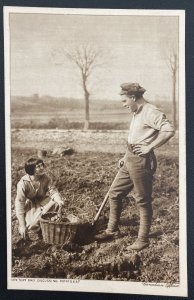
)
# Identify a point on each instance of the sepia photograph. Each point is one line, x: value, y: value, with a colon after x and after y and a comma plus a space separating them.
x: 95, y: 150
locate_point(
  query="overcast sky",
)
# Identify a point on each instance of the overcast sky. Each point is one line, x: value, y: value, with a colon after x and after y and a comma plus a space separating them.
x: 133, y: 49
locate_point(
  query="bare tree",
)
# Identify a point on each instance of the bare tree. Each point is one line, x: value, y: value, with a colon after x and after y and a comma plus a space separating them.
x: 86, y: 58
x: 173, y: 67
x: 170, y: 47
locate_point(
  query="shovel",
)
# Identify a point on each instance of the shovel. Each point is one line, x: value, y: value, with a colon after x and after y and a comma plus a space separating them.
x: 121, y: 163
x: 100, y: 209
x: 103, y: 203
x: 85, y: 231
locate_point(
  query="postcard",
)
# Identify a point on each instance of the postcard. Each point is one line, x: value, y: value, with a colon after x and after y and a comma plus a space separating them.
x: 95, y: 150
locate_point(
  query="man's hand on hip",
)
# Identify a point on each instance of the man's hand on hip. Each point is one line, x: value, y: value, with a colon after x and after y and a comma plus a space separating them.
x: 141, y: 149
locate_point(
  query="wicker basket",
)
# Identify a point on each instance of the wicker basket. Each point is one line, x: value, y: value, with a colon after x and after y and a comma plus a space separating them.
x: 58, y: 233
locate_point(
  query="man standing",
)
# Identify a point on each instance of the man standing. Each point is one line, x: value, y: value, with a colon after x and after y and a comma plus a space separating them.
x: 149, y: 129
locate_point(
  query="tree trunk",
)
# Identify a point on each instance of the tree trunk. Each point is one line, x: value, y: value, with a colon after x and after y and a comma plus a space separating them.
x: 87, y: 118
x: 174, y: 91
x: 86, y: 94
x: 174, y: 100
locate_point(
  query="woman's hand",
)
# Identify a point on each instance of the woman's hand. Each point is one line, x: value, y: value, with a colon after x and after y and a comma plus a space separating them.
x: 58, y: 199
x: 22, y: 231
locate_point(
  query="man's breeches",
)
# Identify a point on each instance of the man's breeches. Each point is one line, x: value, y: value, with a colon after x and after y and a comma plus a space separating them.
x: 135, y: 173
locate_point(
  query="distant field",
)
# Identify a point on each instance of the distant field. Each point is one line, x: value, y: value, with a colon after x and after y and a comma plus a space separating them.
x: 72, y: 116
x: 50, y: 113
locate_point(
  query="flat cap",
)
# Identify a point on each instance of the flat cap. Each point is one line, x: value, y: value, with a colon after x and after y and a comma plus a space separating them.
x: 131, y: 88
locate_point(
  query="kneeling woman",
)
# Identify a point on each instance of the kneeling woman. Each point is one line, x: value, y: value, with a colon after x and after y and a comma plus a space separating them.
x: 34, y: 191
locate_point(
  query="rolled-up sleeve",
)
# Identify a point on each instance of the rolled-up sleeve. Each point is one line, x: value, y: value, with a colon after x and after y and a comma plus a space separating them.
x: 20, y: 199
x: 159, y: 121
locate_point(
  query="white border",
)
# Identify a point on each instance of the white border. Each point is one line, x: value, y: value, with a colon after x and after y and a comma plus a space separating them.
x: 102, y: 285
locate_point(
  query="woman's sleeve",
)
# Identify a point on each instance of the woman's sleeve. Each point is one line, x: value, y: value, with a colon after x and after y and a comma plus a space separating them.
x: 53, y: 191
x: 20, y: 199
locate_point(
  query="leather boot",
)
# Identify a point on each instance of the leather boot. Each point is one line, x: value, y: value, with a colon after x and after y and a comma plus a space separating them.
x: 107, y: 235
x: 144, y: 229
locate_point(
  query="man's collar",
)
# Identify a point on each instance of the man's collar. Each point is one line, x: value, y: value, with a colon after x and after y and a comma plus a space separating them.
x: 139, y: 109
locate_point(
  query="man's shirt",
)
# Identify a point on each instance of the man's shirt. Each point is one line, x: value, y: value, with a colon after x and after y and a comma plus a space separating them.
x: 146, y: 124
